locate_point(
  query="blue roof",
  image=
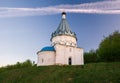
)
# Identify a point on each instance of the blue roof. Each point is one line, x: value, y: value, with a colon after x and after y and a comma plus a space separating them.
x: 48, y: 48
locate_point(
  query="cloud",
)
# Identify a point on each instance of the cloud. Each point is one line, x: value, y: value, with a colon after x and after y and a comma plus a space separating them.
x: 103, y: 7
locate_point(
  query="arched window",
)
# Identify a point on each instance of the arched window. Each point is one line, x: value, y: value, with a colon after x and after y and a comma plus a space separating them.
x: 70, y: 61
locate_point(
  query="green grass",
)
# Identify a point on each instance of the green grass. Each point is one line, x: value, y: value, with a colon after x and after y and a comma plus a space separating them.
x: 89, y: 73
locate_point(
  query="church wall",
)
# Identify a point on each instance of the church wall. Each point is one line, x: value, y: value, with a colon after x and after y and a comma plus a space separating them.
x: 78, y: 56
x: 60, y: 55
x: 63, y: 53
x: 64, y: 40
x: 46, y: 58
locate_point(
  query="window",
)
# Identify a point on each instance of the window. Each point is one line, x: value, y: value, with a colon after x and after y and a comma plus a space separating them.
x: 42, y: 60
x: 70, y: 49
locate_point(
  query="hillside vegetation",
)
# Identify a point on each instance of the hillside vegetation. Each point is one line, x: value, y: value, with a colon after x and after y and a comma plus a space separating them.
x: 108, y: 50
x: 89, y: 73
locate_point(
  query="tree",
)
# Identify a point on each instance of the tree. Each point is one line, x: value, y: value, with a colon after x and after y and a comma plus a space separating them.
x: 27, y: 63
x: 91, y: 56
x: 109, y: 48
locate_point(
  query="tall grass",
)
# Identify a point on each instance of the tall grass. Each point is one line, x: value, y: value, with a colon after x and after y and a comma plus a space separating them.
x: 89, y: 73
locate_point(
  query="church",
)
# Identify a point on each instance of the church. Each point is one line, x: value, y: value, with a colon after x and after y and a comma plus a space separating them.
x: 63, y: 49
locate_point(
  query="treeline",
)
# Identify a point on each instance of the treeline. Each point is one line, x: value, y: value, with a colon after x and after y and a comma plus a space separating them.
x: 27, y: 63
x: 108, y: 50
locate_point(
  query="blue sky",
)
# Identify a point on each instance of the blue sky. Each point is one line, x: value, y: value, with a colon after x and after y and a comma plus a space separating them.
x: 26, y: 25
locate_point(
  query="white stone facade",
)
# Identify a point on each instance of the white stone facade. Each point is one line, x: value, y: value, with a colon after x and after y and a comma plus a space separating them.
x: 46, y: 58
x: 64, y: 53
x: 61, y: 56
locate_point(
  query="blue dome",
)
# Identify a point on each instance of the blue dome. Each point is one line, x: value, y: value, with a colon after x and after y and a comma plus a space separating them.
x: 48, y: 48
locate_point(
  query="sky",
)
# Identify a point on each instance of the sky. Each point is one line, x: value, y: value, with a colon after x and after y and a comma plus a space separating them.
x: 26, y: 25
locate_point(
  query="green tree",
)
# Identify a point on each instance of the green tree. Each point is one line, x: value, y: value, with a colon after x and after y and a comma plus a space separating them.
x: 91, y: 56
x: 109, y: 48
x: 27, y: 63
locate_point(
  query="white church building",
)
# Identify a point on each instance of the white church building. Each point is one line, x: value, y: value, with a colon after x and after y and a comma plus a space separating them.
x: 63, y: 49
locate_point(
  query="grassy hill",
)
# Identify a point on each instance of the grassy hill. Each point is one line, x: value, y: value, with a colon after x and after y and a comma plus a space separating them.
x: 89, y: 73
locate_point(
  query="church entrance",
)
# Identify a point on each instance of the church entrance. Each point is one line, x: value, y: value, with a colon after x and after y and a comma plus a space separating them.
x: 69, y: 61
